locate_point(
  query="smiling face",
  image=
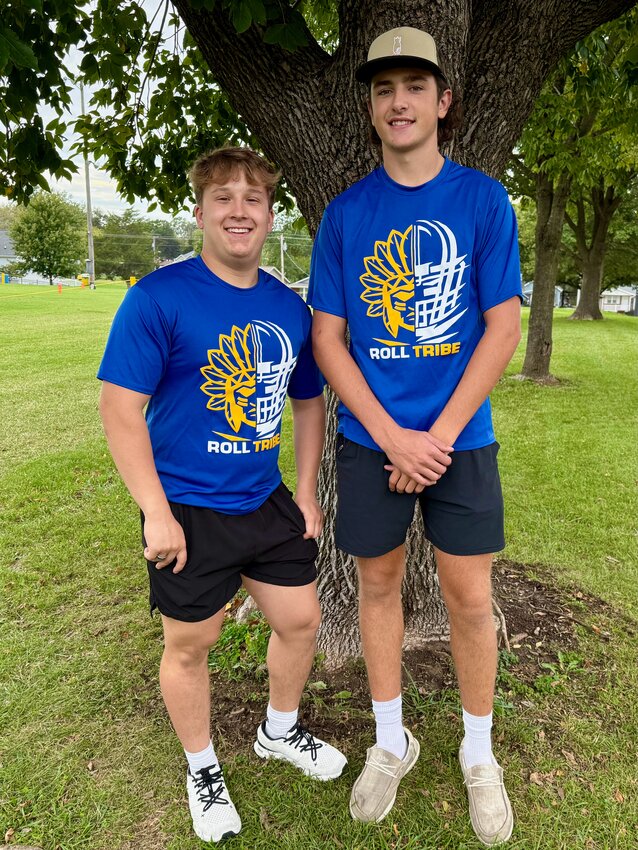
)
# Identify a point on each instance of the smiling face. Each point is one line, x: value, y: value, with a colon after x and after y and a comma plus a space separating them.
x: 405, y: 108
x: 235, y: 217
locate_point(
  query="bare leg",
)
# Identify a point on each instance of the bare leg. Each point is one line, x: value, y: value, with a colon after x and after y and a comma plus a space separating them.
x: 294, y: 616
x: 467, y: 590
x: 184, y: 678
x: 381, y: 621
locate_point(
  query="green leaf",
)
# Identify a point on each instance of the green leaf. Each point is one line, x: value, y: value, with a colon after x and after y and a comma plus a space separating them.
x: 343, y: 695
x: 20, y: 53
x: 290, y: 36
x: 241, y: 16
x: 258, y: 11
x: 4, y: 53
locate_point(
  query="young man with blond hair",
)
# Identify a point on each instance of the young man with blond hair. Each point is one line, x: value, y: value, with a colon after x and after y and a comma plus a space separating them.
x: 420, y: 261
x: 211, y: 347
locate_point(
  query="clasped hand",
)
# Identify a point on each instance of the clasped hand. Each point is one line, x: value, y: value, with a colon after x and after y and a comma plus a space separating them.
x: 417, y: 460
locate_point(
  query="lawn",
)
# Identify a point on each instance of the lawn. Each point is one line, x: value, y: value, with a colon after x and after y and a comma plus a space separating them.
x: 87, y: 756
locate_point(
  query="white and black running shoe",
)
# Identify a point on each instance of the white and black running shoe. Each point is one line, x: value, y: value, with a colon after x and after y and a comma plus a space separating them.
x: 314, y: 757
x: 214, y: 814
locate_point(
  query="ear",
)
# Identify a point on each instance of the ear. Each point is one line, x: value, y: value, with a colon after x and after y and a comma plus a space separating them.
x: 271, y: 219
x: 444, y: 103
x: 198, y: 217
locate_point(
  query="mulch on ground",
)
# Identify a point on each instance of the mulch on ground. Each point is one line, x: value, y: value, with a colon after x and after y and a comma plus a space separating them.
x: 542, y: 619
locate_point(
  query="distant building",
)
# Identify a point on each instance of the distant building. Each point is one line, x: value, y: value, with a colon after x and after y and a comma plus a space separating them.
x: 619, y: 300
x: 7, y: 251
x: 301, y: 286
x: 275, y: 272
x: 564, y: 296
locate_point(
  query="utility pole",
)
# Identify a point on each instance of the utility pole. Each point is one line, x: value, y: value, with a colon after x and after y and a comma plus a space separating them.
x: 282, y: 248
x: 90, y: 263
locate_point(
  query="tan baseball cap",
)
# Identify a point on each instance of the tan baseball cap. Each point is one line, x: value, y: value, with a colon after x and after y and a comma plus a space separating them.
x: 400, y: 47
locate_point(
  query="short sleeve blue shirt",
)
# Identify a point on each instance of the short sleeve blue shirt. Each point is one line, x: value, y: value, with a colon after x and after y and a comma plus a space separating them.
x: 218, y: 362
x: 413, y: 269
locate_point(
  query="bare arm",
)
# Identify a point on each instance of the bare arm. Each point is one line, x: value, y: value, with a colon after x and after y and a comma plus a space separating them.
x: 309, y: 422
x: 122, y: 413
x: 420, y: 455
x: 486, y: 365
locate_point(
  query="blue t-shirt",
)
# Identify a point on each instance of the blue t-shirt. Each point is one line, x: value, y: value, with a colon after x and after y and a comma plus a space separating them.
x: 217, y: 362
x: 413, y: 269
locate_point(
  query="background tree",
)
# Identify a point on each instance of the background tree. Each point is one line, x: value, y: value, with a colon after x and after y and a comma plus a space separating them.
x: 158, y: 99
x: 577, y: 145
x: 7, y: 215
x: 129, y: 244
x: 47, y: 236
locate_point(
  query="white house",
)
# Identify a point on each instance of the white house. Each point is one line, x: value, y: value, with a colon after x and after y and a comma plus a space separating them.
x: 619, y: 300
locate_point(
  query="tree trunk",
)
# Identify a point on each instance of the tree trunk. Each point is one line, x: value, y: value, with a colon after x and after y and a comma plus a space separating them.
x: 551, y: 201
x: 306, y: 109
x: 592, y: 256
x: 588, y: 307
x: 423, y: 609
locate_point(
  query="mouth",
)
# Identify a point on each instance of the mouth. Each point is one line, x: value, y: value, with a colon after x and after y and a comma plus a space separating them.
x: 401, y: 122
x: 238, y: 231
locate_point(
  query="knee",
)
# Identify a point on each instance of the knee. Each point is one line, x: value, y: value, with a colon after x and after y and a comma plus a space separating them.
x: 473, y: 610
x: 188, y: 656
x: 380, y: 585
x: 302, y: 627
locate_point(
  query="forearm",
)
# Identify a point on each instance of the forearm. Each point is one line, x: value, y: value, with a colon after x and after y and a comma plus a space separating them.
x: 487, y: 364
x: 309, y: 425
x: 130, y: 445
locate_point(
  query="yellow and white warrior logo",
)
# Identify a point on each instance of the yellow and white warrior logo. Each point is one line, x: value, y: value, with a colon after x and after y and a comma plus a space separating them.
x: 247, y: 376
x: 414, y: 282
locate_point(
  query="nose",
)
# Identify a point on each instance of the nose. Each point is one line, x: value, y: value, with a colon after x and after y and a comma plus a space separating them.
x: 237, y: 208
x: 399, y: 100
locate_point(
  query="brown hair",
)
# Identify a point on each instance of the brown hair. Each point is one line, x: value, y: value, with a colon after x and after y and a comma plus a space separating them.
x: 446, y: 126
x: 219, y: 165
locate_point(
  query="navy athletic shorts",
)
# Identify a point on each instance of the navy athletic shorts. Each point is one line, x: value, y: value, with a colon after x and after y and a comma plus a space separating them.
x: 266, y: 545
x: 462, y: 512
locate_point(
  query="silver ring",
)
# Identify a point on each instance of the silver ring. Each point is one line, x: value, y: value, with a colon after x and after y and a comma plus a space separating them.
x: 159, y: 557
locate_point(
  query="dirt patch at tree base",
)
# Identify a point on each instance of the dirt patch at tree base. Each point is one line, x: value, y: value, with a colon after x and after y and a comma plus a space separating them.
x: 542, y: 619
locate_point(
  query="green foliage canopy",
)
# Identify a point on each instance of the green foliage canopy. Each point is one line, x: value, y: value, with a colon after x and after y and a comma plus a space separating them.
x: 154, y: 103
x: 585, y: 122
x: 129, y: 244
x: 47, y: 236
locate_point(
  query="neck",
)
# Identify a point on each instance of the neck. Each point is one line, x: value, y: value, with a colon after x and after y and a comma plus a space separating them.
x: 412, y: 168
x: 242, y: 278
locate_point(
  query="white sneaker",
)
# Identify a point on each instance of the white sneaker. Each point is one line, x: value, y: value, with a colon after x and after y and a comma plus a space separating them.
x: 213, y: 812
x: 314, y: 757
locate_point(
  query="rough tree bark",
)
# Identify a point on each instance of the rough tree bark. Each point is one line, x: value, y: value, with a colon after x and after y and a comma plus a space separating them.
x: 304, y: 109
x: 592, y: 255
x: 551, y: 202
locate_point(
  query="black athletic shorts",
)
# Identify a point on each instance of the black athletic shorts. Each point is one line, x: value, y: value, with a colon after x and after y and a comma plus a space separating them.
x: 462, y: 512
x: 266, y: 545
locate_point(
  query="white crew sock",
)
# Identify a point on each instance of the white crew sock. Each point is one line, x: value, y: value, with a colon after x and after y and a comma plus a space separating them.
x: 390, y: 734
x: 477, y: 746
x: 279, y: 723
x: 205, y: 758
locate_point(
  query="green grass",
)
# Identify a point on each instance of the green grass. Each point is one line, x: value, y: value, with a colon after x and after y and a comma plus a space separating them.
x: 87, y: 757
x: 569, y: 458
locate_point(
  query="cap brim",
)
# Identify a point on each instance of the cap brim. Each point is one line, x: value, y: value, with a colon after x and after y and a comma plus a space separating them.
x: 367, y: 71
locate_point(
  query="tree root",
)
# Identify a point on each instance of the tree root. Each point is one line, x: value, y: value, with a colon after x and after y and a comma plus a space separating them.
x: 501, y: 626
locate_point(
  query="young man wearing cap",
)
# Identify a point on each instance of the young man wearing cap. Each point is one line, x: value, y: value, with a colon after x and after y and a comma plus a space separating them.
x: 214, y: 345
x: 420, y: 261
